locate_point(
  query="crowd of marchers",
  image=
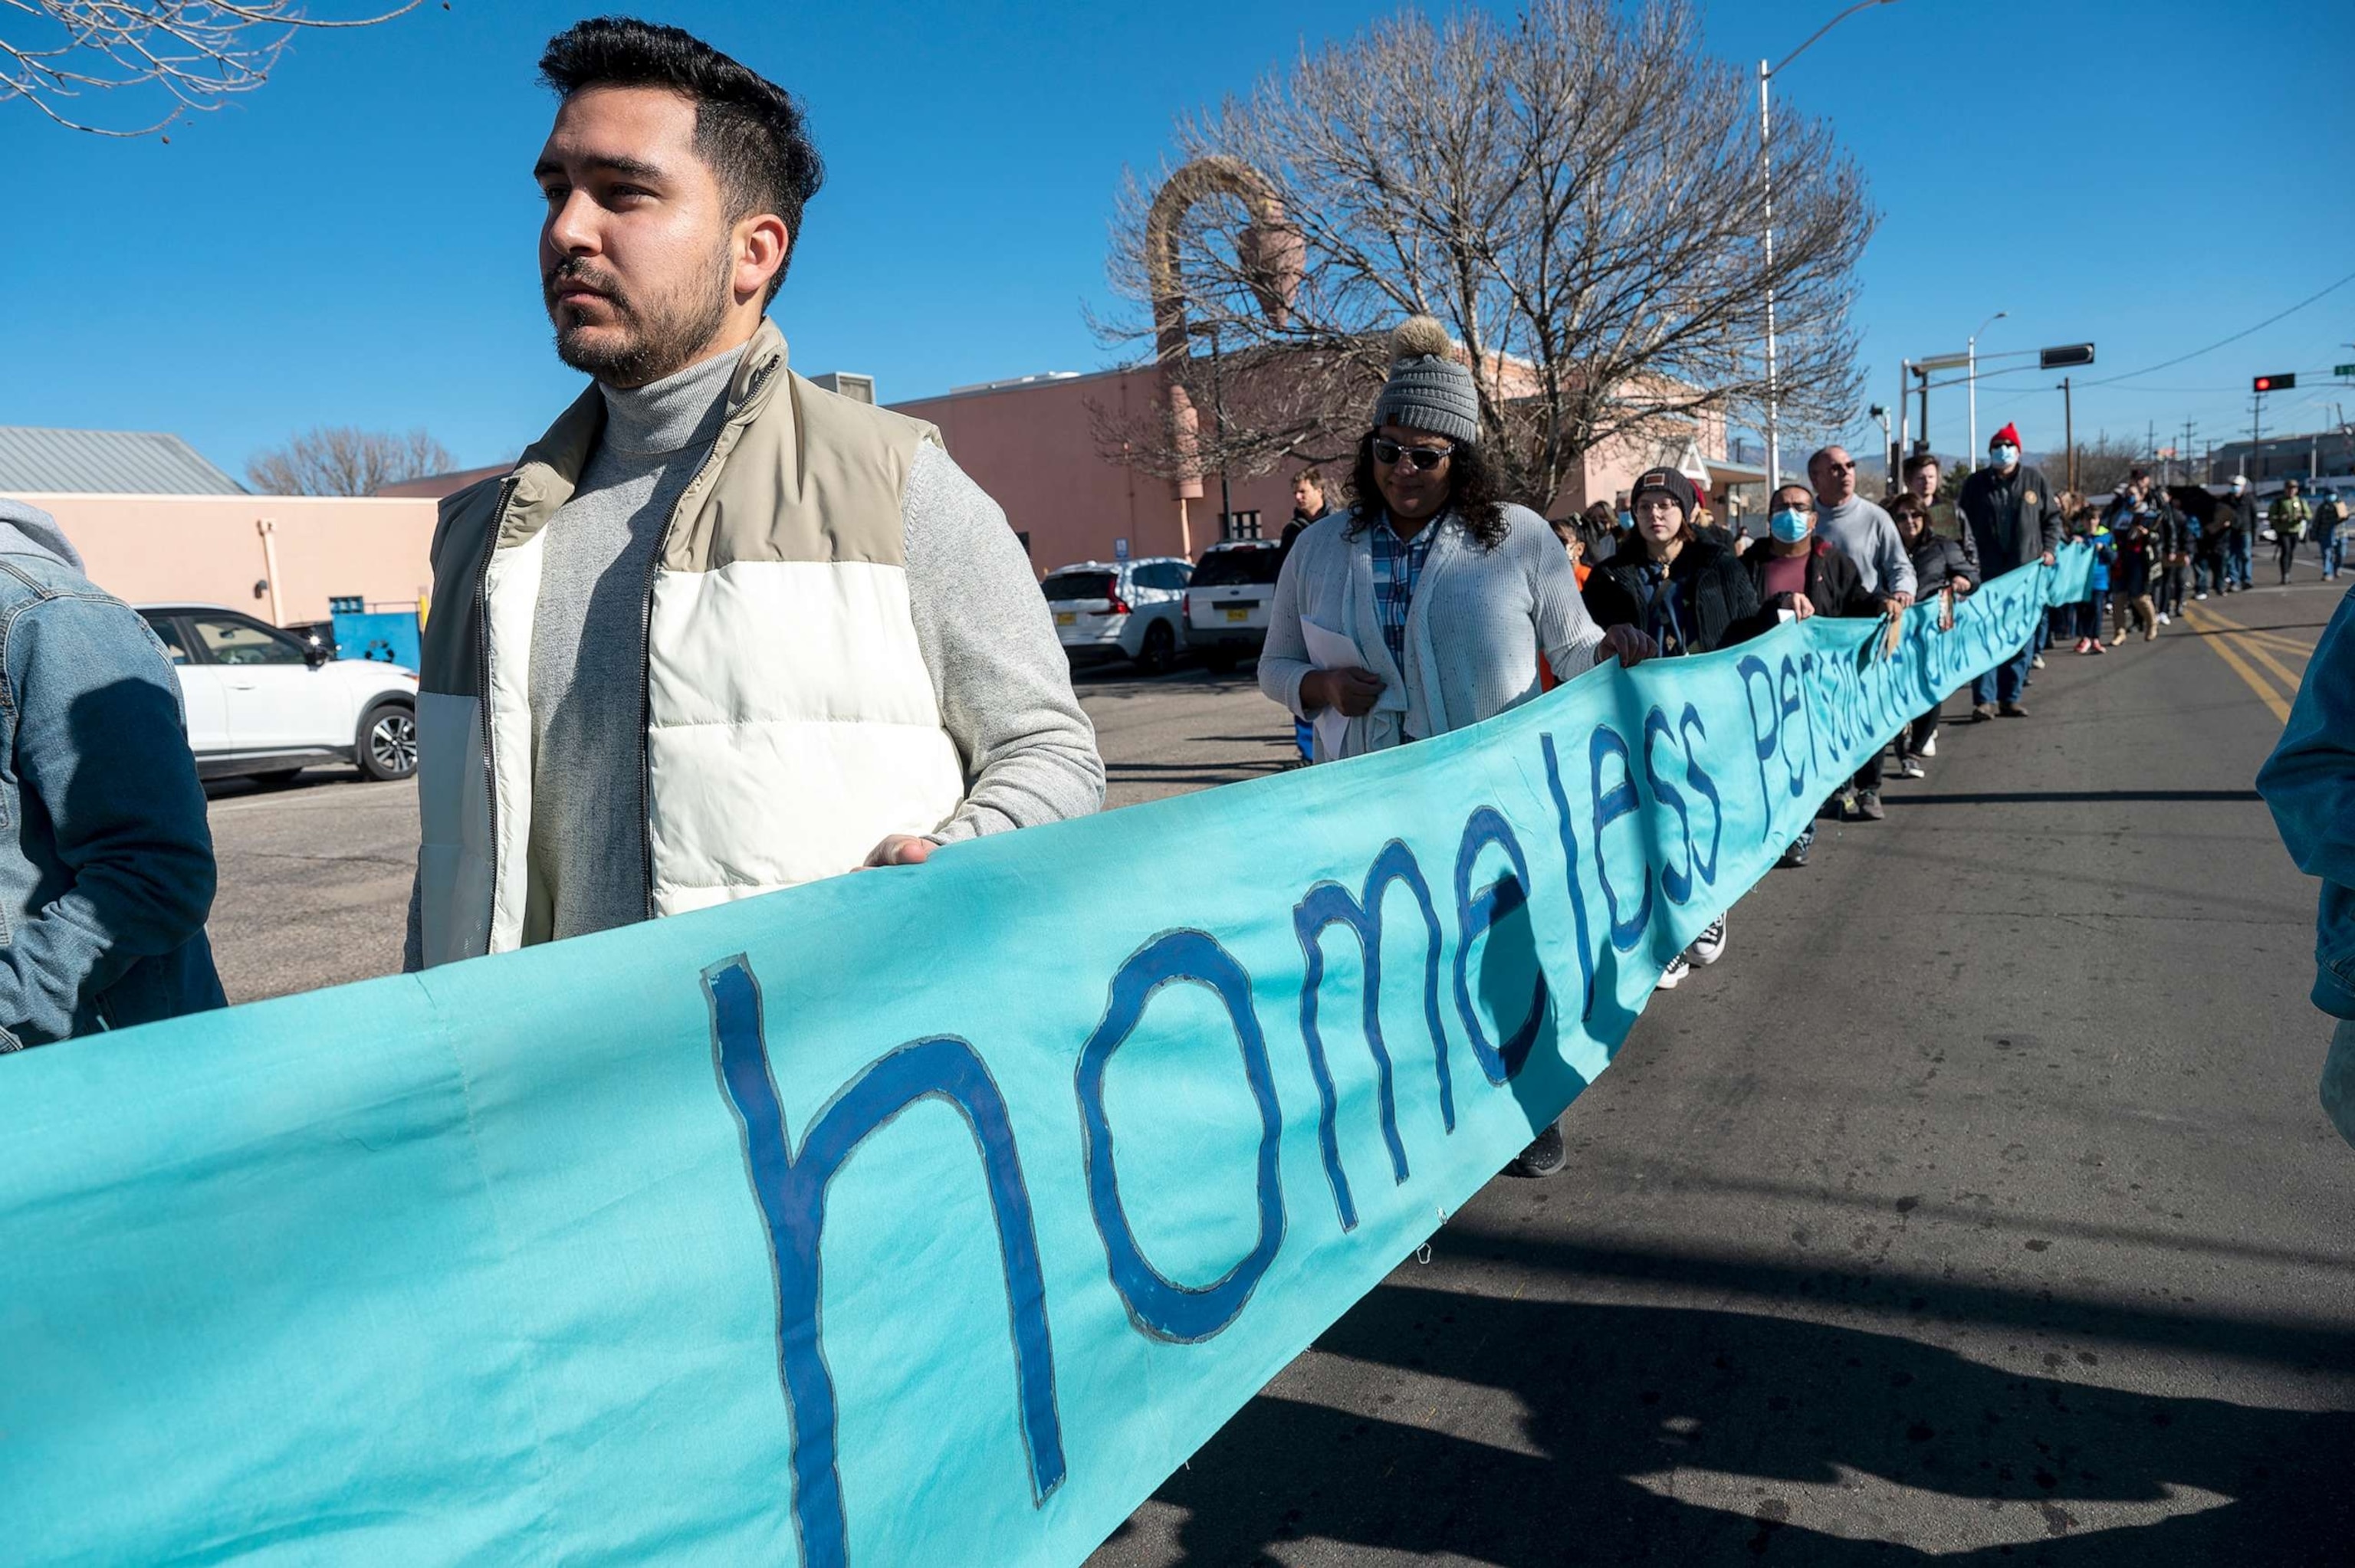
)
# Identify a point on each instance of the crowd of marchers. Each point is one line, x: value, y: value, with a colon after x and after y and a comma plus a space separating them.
x: 721, y: 630
x: 1428, y: 601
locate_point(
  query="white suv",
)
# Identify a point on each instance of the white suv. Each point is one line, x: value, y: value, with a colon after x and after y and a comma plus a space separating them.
x: 1134, y: 609
x: 1227, y: 602
x: 261, y: 702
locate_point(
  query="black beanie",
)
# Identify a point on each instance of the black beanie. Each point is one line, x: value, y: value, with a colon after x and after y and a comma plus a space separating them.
x: 1677, y: 487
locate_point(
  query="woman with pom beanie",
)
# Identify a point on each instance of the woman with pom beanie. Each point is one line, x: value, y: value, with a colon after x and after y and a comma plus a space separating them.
x: 1429, y: 596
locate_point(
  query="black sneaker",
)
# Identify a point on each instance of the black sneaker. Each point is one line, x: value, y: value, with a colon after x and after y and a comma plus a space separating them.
x: 1543, y: 1157
x: 1794, y: 857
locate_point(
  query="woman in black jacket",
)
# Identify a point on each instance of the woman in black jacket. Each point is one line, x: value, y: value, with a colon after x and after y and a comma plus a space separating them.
x: 1689, y: 593
x: 1673, y: 581
x: 1940, y: 568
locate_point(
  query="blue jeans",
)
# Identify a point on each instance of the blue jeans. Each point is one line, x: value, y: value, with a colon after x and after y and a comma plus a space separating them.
x: 2003, y: 683
x: 2331, y: 546
x: 2236, y: 558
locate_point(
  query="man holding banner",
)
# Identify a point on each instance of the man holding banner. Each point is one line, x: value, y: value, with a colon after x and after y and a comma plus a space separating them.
x: 720, y: 631
x: 2012, y: 519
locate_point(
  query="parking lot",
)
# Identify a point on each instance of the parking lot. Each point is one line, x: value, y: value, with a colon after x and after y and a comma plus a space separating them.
x: 315, y: 874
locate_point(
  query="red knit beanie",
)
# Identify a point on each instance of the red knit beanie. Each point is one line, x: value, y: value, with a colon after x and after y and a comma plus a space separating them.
x: 2008, y: 436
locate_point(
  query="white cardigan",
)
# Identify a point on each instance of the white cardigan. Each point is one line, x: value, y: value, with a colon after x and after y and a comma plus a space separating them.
x: 1472, y: 632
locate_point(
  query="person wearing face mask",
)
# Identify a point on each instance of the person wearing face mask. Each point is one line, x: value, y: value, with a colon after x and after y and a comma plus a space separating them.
x: 2239, y: 517
x: 1688, y: 593
x: 2009, y: 512
x: 1797, y: 572
x: 1443, y: 593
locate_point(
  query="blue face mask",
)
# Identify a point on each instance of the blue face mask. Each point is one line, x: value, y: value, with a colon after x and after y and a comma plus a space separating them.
x: 2004, y: 456
x: 1790, y: 525
x: 1626, y: 519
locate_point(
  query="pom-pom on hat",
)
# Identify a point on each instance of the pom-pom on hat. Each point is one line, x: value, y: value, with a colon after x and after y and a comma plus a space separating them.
x: 1428, y: 389
x: 2007, y: 436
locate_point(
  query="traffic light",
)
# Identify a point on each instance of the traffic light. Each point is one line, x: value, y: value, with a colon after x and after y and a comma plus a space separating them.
x: 2274, y: 383
x: 2068, y: 354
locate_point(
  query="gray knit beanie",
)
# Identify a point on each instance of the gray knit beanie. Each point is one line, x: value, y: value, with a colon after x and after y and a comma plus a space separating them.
x: 1428, y: 389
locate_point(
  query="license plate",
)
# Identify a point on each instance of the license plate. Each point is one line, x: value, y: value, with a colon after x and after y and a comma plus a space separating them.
x: 1067, y: 618
x: 1239, y: 614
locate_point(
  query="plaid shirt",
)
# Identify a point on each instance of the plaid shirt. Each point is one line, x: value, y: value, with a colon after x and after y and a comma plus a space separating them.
x: 1398, y: 566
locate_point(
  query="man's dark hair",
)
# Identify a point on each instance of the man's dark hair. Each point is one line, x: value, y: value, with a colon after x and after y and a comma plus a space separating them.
x: 1919, y: 461
x: 747, y: 129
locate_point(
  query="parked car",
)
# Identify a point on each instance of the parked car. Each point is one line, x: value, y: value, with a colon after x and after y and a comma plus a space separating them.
x: 1227, y: 601
x: 264, y: 704
x: 316, y: 634
x: 1134, y: 610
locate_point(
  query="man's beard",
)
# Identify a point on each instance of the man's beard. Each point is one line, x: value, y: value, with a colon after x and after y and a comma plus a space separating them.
x: 641, y: 344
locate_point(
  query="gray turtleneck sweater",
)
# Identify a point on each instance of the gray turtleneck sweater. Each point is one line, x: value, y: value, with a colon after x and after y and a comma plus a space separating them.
x: 1002, y: 681
x: 587, y: 851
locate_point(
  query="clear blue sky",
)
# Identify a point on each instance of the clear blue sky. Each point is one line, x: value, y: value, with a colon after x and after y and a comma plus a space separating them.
x: 353, y: 244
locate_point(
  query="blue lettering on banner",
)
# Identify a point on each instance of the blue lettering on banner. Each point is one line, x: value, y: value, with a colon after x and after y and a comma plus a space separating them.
x: 1564, y: 821
x: 1678, y: 882
x: 1329, y: 904
x: 1478, y: 917
x: 791, y: 1191
x: 1158, y: 1306
x: 1610, y: 805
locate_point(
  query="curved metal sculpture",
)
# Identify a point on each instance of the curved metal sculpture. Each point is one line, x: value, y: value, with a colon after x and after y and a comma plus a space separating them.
x: 1274, y: 256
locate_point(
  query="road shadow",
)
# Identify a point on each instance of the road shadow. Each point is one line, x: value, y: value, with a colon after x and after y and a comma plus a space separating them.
x: 322, y: 777
x: 1774, y: 1409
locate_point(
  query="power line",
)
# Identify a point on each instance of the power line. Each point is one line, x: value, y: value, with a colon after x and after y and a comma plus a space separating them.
x: 2236, y: 337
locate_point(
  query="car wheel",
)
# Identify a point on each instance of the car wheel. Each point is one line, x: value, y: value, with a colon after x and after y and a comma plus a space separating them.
x: 1160, y: 649
x: 387, y: 742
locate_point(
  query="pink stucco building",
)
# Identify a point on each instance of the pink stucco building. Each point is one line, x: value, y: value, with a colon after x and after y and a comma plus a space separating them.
x: 1030, y: 443
x: 279, y: 557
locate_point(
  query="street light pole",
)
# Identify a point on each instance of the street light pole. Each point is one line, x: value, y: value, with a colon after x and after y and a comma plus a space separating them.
x: 1767, y: 185
x: 1972, y: 375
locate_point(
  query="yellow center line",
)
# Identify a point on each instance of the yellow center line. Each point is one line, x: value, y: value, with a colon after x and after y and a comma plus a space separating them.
x: 2240, y: 666
x: 2288, y: 646
x: 2262, y: 647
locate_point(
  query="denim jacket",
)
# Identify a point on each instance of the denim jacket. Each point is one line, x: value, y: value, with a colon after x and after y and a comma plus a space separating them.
x: 2309, y: 782
x: 106, y: 857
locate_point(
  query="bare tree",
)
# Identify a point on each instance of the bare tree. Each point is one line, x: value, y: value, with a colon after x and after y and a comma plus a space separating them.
x: 2102, y: 462
x: 340, y: 461
x: 1573, y: 191
x: 194, y: 53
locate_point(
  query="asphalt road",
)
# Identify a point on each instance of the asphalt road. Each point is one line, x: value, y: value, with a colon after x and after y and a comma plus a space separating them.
x: 1977, y: 1205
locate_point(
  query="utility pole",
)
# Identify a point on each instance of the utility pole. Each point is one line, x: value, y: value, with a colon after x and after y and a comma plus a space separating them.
x: 1923, y: 376
x: 2068, y: 430
x: 2256, y: 436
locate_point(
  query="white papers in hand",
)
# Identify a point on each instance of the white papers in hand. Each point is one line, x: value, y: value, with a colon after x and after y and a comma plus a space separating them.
x: 1329, y: 649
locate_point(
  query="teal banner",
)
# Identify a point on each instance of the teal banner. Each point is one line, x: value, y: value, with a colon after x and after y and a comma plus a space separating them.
x: 921, y: 1216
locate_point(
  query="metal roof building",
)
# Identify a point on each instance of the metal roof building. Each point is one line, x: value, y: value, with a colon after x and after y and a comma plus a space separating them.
x: 35, y: 460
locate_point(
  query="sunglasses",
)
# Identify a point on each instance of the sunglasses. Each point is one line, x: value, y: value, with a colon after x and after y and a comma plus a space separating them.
x: 1841, y: 466
x: 1388, y: 452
